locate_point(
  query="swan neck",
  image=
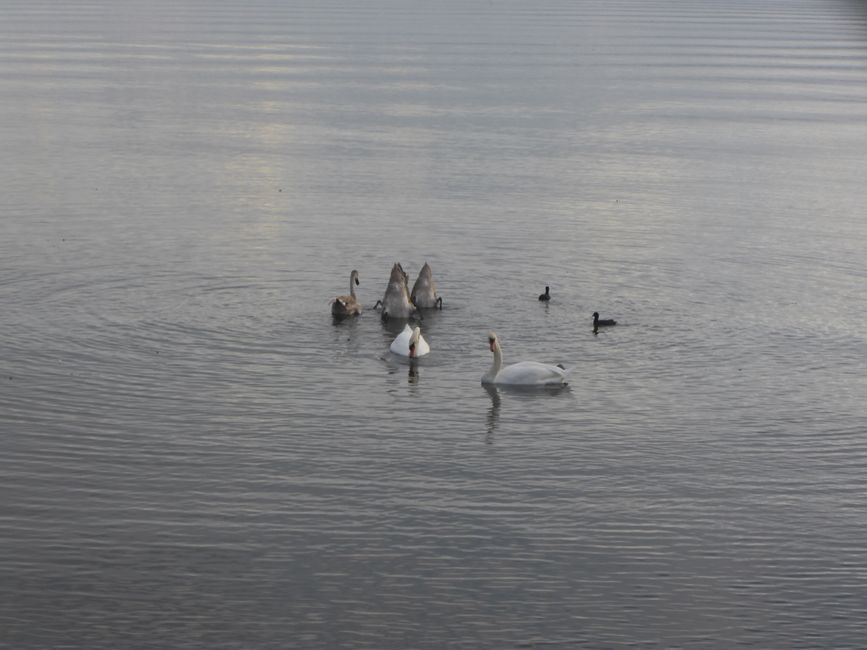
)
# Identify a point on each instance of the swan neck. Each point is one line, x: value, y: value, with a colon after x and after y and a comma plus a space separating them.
x: 352, y: 285
x: 497, y: 363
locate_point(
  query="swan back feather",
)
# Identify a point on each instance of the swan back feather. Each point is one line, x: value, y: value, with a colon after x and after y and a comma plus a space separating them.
x: 424, y: 291
x: 396, y: 302
x: 410, y: 335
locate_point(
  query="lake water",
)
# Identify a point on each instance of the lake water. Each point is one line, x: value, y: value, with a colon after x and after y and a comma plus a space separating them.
x: 194, y: 455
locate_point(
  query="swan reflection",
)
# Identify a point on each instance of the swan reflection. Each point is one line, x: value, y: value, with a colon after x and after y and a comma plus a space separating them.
x: 493, y: 412
x: 528, y: 393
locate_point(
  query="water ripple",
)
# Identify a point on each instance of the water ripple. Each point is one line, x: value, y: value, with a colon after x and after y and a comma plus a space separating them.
x: 194, y: 454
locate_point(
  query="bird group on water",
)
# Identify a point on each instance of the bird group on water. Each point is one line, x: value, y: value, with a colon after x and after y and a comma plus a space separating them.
x: 399, y: 302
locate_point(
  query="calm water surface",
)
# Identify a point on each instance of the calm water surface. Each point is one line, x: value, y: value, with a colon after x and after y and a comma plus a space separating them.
x: 192, y: 454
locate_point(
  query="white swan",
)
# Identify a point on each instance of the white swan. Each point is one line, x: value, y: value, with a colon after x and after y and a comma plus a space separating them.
x: 396, y: 302
x: 343, y: 306
x: 424, y: 291
x: 410, y: 343
x: 525, y: 373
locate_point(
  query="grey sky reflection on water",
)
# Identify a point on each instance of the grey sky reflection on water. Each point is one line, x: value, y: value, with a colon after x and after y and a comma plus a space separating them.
x: 187, y: 186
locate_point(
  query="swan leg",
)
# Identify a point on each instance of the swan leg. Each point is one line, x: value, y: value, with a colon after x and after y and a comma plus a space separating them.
x: 378, y: 304
x: 439, y: 302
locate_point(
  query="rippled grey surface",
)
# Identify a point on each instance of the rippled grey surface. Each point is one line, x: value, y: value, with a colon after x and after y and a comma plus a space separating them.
x: 194, y: 455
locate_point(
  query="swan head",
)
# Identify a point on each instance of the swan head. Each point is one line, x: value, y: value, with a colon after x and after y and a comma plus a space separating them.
x: 595, y: 315
x: 354, y: 276
x: 413, y: 341
x: 493, y: 343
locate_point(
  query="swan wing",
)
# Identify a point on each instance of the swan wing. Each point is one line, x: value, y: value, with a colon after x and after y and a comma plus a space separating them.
x: 396, y: 301
x: 400, y: 345
x: 345, y: 305
x: 530, y: 373
x: 424, y: 290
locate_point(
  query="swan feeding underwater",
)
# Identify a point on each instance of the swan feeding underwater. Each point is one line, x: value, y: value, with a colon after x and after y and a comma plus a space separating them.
x: 424, y: 291
x: 396, y: 302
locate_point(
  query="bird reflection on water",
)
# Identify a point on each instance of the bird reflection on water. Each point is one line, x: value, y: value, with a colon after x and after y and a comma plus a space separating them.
x: 493, y: 412
x: 519, y: 392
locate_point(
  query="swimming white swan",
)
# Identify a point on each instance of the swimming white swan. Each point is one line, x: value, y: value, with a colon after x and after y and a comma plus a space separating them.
x: 343, y: 306
x: 396, y: 302
x: 424, y: 291
x: 410, y: 343
x: 525, y: 373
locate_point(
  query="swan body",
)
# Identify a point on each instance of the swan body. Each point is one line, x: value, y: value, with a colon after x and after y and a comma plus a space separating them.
x: 525, y: 373
x: 343, y: 306
x: 410, y: 343
x: 424, y: 291
x: 605, y: 322
x: 547, y: 295
x: 396, y: 302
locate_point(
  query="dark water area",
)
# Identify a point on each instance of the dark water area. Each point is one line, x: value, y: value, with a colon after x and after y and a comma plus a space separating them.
x: 194, y: 454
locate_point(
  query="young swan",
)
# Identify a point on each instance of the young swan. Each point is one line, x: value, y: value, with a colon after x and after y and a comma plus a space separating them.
x: 410, y: 343
x: 343, y: 306
x: 525, y: 373
x: 396, y: 302
x: 547, y: 295
x: 424, y: 291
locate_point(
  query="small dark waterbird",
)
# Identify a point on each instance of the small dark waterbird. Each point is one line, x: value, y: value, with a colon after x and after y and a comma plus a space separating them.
x: 602, y: 322
x: 547, y: 295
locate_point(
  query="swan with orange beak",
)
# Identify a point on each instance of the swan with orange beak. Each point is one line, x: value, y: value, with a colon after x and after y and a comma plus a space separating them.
x: 410, y: 343
x: 524, y: 373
